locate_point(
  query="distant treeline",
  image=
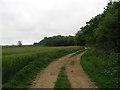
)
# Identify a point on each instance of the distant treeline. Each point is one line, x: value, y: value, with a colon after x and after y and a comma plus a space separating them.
x: 57, y: 41
x: 101, y: 31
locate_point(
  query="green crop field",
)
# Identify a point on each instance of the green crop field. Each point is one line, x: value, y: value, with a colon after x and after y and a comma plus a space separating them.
x: 21, y: 64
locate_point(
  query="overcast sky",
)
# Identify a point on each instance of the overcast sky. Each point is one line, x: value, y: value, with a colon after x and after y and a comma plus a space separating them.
x: 31, y: 20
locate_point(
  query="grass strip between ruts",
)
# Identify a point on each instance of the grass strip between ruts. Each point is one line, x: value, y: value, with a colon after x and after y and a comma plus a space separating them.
x: 62, y: 81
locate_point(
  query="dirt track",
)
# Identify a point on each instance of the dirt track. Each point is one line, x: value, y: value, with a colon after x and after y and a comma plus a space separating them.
x: 77, y: 77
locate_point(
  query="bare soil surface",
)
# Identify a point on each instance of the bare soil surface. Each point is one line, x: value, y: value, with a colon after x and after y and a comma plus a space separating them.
x: 76, y: 75
x: 47, y: 77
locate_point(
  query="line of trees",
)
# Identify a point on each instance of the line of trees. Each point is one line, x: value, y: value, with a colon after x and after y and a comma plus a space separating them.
x: 101, y: 31
x: 57, y: 41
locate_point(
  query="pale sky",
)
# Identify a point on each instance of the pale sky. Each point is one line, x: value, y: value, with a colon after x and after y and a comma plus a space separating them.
x: 31, y: 20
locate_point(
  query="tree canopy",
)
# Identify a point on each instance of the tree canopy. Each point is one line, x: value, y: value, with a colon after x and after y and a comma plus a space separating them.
x: 102, y: 30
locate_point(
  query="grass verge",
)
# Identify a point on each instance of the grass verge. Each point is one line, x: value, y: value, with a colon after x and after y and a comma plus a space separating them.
x: 62, y: 81
x: 102, y: 68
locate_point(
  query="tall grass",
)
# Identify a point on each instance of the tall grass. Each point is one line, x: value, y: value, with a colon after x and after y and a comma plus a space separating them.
x: 102, y: 68
x: 20, y: 67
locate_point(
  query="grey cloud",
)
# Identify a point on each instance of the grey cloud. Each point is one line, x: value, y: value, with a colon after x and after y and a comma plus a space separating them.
x: 32, y: 20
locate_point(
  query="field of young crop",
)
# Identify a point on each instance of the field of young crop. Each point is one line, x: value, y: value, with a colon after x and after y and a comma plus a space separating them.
x: 21, y: 64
